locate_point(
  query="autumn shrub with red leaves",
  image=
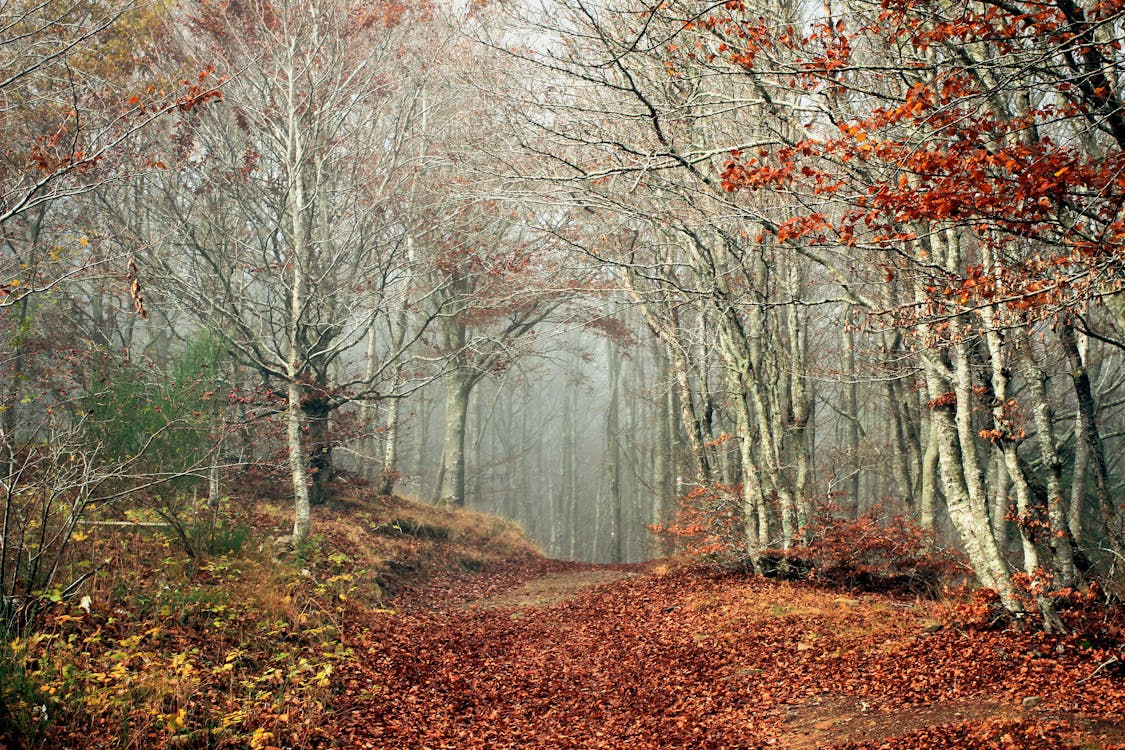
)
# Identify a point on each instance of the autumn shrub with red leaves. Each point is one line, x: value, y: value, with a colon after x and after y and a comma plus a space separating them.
x: 708, y: 525
x: 874, y: 552
x: 975, y: 608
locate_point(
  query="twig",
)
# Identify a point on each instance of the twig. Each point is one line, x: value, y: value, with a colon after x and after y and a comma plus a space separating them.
x: 1108, y: 662
x: 144, y: 524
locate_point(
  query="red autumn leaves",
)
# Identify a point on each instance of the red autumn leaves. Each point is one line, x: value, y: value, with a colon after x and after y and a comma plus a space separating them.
x: 691, y: 660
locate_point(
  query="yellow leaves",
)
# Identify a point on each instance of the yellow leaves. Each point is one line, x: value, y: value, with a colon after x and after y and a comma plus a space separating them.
x: 132, y: 641
x: 224, y: 667
x: 262, y: 739
x: 173, y: 722
x: 232, y: 720
x: 229, y: 663
x: 182, y: 665
x: 119, y: 670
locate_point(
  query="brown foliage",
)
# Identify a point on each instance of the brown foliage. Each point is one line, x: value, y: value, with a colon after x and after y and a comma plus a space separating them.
x: 692, y: 659
x: 875, y: 552
x: 309, y: 651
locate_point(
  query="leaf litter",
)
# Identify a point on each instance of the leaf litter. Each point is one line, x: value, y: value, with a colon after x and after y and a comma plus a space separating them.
x: 544, y: 654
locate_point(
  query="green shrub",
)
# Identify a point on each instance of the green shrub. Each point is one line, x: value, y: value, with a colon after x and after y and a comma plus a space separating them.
x: 206, y: 534
x: 160, y: 423
x: 23, y: 706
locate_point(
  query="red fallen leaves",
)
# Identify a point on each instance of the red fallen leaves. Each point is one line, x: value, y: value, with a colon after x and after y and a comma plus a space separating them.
x: 696, y: 661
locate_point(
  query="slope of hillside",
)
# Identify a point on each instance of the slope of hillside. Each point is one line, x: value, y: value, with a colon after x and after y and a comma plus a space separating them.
x: 238, y: 645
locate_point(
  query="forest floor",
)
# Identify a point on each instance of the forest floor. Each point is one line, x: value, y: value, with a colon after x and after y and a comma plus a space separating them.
x: 402, y: 626
x: 542, y: 654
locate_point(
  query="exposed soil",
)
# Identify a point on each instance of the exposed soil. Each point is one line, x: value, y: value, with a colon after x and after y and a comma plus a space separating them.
x: 831, y: 720
x: 551, y: 589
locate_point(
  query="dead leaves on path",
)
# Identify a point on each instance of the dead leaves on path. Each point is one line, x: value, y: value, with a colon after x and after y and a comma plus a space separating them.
x: 695, y: 661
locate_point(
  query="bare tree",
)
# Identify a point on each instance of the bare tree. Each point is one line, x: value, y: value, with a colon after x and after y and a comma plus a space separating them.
x: 283, y: 226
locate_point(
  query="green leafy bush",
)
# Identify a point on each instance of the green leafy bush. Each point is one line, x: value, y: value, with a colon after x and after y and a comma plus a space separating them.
x: 161, y: 423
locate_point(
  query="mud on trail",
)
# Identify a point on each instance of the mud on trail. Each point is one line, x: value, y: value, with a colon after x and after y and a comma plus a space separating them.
x: 542, y: 654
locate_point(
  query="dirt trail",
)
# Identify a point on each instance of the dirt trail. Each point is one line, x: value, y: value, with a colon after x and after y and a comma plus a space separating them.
x: 828, y: 721
x: 587, y: 657
x: 551, y: 589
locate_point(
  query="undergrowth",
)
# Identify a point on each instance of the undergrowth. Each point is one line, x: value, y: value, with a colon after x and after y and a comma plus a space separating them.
x: 875, y: 551
x: 216, y: 634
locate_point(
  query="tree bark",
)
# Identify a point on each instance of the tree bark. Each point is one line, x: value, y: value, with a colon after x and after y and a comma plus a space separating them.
x: 294, y: 419
x: 458, y: 385
x: 321, y: 469
x: 1092, y: 448
x: 613, y: 454
x: 850, y: 415
x: 389, y: 474
x: 1052, y: 465
x: 663, y: 544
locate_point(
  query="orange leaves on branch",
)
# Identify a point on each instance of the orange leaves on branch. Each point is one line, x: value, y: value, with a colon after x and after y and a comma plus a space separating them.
x: 944, y: 401
x: 135, y: 291
x: 931, y: 156
x: 802, y: 227
x: 708, y: 523
x: 753, y: 174
x: 719, y: 440
x: 196, y: 93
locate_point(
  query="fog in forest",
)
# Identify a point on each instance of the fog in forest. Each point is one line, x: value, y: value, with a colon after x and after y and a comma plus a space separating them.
x: 746, y: 270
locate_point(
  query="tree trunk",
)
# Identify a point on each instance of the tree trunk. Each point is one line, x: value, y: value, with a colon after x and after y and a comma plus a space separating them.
x: 458, y: 385
x: 663, y: 544
x: 801, y: 405
x: 754, y: 528
x: 389, y: 475
x: 613, y: 455
x: 1091, y: 447
x: 294, y: 420
x: 1005, y: 440
x: 850, y: 415
x: 299, y: 239
x: 927, y: 498
x: 1078, y: 486
x: 951, y: 410
x: 1052, y: 465
x: 321, y: 469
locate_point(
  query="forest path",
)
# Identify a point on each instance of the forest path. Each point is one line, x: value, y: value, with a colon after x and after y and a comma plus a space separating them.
x: 557, y: 655
x: 551, y: 589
